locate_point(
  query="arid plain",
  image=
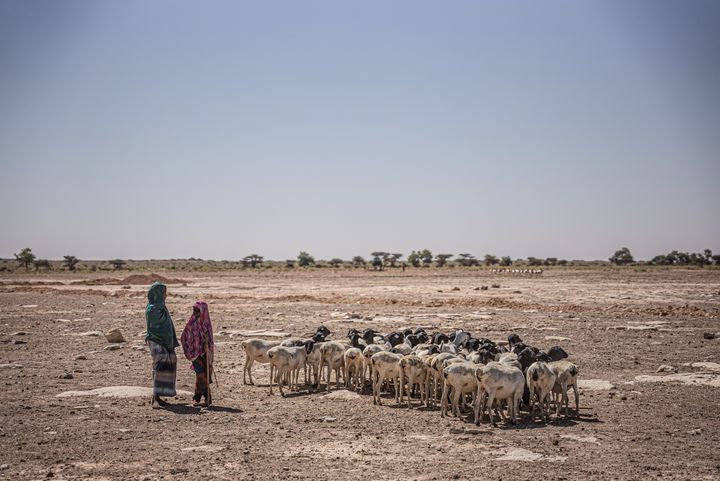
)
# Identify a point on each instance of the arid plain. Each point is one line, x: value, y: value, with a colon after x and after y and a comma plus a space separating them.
x: 619, y: 325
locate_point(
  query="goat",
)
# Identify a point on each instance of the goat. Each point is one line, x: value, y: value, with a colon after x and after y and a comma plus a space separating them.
x: 386, y: 365
x: 287, y: 360
x: 566, y: 375
x: 255, y: 351
x: 413, y: 371
x: 331, y: 353
x: 354, y: 365
x: 460, y: 377
x: 541, y: 379
x: 499, y: 382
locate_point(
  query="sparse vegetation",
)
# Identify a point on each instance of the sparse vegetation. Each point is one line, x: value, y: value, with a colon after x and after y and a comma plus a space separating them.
x: 491, y: 260
x: 118, y: 264
x: 622, y: 257
x: 253, y: 260
x: 42, y: 264
x: 25, y: 258
x: 335, y: 262
x: 305, y: 260
x: 441, y: 259
x: 70, y: 262
x: 358, y: 261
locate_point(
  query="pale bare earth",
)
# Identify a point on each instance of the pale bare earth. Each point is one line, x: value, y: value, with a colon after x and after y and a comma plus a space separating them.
x: 619, y: 326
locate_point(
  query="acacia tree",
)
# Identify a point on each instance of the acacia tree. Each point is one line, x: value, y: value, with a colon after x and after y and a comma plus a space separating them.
x: 44, y: 263
x: 25, y: 258
x: 335, y: 262
x: 358, y: 261
x: 305, y: 259
x: 253, y: 260
x: 505, y: 261
x: 467, y: 260
x: 117, y: 264
x: 441, y: 259
x: 490, y: 260
x: 622, y: 257
x: 393, y: 258
x: 378, y: 259
x: 426, y: 257
x: 414, y: 259
x: 70, y: 262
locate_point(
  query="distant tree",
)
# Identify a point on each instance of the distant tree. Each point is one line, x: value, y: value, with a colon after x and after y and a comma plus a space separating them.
x: 305, y: 259
x: 490, y: 260
x: 550, y: 261
x: 118, y: 264
x: 716, y: 259
x: 533, y: 261
x: 335, y: 262
x: 70, y: 262
x: 708, y: 256
x: 562, y: 262
x: 414, y: 259
x: 467, y: 260
x: 358, y: 261
x: 378, y: 260
x: 393, y: 258
x: 426, y: 257
x: 698, y: 259
x: 659, y: 260
x: 441, y: 259
x: 505, y: 261
x: 25, y: 258
x: 290, y: 263
x: 253, y: 260
x: 42, y: 263
x: 622, y: 257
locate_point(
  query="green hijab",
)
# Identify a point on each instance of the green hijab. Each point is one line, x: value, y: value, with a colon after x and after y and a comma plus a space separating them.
x: 160, y: 327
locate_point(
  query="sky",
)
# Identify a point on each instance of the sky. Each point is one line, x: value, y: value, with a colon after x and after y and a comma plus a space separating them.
x: 176, y: 129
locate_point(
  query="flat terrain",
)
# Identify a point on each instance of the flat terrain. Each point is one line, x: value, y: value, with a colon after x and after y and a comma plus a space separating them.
x: 620, y: 325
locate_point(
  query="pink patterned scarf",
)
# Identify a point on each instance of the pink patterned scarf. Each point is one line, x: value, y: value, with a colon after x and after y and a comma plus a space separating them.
x: 197, y: 329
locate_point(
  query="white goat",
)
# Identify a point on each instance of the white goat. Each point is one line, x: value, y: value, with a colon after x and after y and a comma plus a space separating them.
x: 412, y: 371
x: 499, y: 382
x: 255, y: 351
x: 287, y: 360
x: 460, y: 378
x: 353, y: 361
x: 566, y: 375
x: 540, y: 380
x: 386, y: 365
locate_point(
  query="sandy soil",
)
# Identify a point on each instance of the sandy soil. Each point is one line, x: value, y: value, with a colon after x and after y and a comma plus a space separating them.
x: 620, y: 325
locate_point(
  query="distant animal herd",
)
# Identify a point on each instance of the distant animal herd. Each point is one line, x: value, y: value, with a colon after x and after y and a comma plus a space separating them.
x: 456, y: 371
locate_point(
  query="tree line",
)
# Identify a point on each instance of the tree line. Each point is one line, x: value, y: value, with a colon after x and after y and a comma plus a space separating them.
x: 380, y: 260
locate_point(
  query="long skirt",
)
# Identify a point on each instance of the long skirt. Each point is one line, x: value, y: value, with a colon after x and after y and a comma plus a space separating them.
x: 164, y: 368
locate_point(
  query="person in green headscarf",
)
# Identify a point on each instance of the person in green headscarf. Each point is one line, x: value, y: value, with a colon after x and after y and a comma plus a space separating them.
x: 162, y: 341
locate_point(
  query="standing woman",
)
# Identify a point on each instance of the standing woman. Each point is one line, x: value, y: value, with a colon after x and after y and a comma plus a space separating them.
x: 162, y: 341
x: 198, y: 345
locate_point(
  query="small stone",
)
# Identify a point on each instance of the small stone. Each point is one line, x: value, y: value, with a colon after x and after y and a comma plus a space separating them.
x: 666, y: 368
x: 114, y: 335
x: 328, y: 419
x: 112, y: 347
x: 3, y: 467
x: 695, y: 432
x: 66, y: 375
x: 20, y: 333
x: 80, y: 357
x: 91, y: 333
x: 711, y: 335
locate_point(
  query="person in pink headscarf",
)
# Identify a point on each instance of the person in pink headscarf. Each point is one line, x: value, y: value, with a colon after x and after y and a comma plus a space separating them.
x: 198, y: 346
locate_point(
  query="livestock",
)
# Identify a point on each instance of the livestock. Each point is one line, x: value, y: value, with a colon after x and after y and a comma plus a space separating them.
x: 255, y: 351
x: 386, y: 366
x: 498, y: 382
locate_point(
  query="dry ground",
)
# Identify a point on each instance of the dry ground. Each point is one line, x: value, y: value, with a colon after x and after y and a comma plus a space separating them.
x: 636, y: 430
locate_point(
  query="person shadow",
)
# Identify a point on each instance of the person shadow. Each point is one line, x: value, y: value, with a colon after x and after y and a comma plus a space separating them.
x: 190, y: 409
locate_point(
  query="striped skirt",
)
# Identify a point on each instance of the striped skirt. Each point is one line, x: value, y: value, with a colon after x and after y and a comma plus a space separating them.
x: 164, y: 368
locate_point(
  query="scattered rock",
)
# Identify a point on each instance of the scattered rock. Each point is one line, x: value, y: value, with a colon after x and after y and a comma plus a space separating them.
x: 617, y: 328
x: 20, y: 333
x: 456, y: 288
x: 520, y: 454
x: 11, y: 366
x: 66, y: 375
x: 462, y: 430
x: 204, y: 448
x: 692, y: 378
x: 642, y: 328
x: 3, y: 467
x: 709, y: 366
x: 117, y: 392
x: 695, y: 432
x: 29, y: 306
x: 17, y: 341
x: 255, y: 333
x: 342, y: 395
x: 595, y: 384
x: 112, y: 347
x: 91, y: 333
x: 580, y: 439
x: 328, y: 419
x: 80, y: 357
x: 666, y: 368
x: 557, y: 338
x: 114, y: 335
x: 711, y: 335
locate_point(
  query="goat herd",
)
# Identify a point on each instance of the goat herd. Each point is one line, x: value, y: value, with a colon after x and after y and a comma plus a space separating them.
x: 450, y: 368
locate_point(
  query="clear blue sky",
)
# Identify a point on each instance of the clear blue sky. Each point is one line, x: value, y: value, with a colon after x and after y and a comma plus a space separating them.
x: 162, y: 129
